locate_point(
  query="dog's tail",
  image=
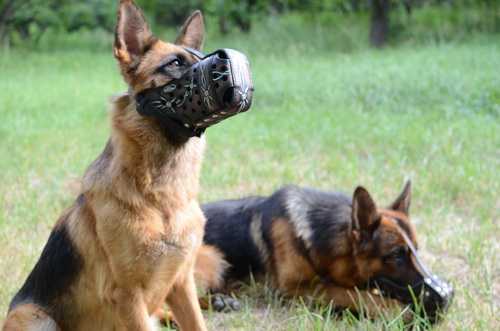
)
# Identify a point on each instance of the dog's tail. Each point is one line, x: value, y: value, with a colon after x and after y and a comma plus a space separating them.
x: 210, y: 269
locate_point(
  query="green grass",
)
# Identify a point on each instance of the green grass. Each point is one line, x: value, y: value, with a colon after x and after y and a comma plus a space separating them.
x: 327, y: 113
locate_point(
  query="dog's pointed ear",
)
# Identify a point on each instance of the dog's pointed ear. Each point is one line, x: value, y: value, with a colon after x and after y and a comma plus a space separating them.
x: 193, y: 32
x: 402, y: 203
x: 132, y: 35
x: 365, y: 218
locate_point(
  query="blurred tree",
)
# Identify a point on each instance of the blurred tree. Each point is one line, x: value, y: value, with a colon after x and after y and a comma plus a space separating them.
x: 30, y: 18
x: 380, y: 13
x: 228, y: 13
x: 33, y: 17
x: 237, y: 13
x: 344, y: 6
x: 90, y: 14
x: 170, y: 12
x: 409, y: 5
x: 379, y: 22
x: 7, y: 9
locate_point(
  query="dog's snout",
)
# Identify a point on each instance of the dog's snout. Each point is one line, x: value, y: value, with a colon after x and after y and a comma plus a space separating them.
x: 438, y: 292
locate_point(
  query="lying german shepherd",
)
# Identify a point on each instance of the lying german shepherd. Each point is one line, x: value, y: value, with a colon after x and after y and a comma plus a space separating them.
x: 308, y: 242
x: 129, y: 242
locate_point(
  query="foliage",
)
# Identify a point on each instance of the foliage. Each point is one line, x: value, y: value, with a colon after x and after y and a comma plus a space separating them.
x: 30, y: 19
x: 170, y: 12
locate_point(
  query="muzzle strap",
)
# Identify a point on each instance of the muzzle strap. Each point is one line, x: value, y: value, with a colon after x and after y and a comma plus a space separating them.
x: 195, y: 52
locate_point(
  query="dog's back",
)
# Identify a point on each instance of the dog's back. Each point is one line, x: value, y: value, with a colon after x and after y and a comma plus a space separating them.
x: 240, y: 228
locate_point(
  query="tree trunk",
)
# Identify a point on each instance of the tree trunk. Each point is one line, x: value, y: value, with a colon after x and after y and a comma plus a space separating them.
x: 379, y: 23
x: 5, y: 15
x: 223, y: 28
x: 409, y: 10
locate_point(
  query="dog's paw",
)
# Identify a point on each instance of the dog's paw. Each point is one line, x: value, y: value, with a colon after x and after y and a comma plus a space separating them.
x: 166, y: 319
x: 220, y: 303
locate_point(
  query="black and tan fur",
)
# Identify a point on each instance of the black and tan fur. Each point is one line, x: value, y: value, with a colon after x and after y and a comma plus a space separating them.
x: 308, y: 242
x: 129, y: 242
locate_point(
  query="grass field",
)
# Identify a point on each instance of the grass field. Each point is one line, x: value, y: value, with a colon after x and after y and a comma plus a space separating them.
x: 324, y: 116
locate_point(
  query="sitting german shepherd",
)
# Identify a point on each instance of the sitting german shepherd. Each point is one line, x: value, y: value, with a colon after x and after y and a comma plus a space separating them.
x: 129, y: 242
x: 308, y: 242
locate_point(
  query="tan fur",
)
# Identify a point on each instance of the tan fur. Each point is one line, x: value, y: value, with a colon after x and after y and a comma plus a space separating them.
x: 140, y: 226
x: 256, y: 235
x: 29, y: 318
x: 357, y: 248
x: 292, y: 268
x: 210, y: 267
x: 297, y: 277
x: 345, y: 270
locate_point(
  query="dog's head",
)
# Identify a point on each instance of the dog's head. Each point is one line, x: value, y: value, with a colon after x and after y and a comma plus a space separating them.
x: 147, y: 62
x: 174, y: 82
x: 386, y: 251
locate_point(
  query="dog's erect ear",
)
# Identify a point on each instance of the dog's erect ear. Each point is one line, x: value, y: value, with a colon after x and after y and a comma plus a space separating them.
x: 133, y: 34
x: 193, y: 32
x: 402, y: 203
x: 365, y: 217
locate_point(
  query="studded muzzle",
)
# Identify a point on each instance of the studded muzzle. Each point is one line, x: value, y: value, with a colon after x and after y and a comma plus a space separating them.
x: 217, y: 87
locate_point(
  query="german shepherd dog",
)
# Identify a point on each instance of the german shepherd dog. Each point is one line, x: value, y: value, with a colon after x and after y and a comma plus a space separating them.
x: 129, y: 241
x: 303, y: 242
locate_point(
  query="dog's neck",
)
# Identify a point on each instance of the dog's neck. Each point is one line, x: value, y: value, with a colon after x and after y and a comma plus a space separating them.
x: 141, y: 157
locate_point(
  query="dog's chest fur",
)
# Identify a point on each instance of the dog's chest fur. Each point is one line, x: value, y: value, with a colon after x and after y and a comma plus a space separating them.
x: 138, y: 221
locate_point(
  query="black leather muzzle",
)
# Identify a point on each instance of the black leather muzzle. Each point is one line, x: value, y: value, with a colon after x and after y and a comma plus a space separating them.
x: 217, y: 87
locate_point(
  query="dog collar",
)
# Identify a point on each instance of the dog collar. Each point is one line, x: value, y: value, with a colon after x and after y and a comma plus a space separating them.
x: 217, y: 87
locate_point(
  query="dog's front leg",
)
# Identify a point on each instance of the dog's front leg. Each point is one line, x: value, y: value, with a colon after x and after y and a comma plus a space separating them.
x: 130, y: 308
x: 183, y: 301
x: 361, y: 301
x: 353, y: 299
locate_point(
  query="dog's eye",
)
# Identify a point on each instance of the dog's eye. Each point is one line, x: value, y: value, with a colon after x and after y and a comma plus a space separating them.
x: 396, y: 255
x: 174, y: 63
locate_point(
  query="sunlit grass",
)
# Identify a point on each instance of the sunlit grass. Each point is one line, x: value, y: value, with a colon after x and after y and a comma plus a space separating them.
x: 321, y: 117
